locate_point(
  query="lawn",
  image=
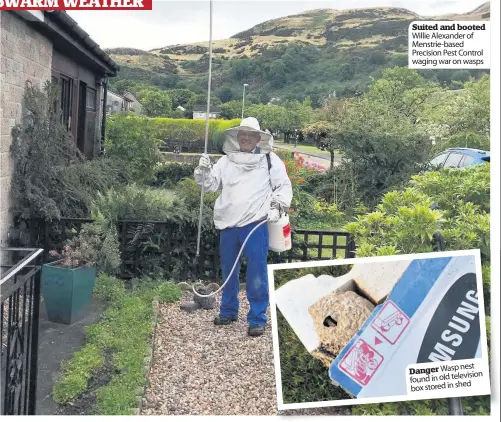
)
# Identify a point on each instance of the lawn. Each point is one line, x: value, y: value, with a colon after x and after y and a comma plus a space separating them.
x: 327, y: 250
x: 311, y: 149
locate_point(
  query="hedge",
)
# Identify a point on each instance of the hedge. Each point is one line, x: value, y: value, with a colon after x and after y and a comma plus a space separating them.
x: 168, y: 129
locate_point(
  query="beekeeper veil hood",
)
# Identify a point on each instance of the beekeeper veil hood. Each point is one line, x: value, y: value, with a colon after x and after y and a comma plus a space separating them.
x: 249, y: 124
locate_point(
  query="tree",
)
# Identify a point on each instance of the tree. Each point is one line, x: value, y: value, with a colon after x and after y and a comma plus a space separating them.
x: 271, y: 117
x: 322, y: 132
x: 277, y: 74
x: 202, y: 99
x: 403, y: 90
x: 381, y: 149
x: 471, y: 110
x: 295, y: 116
x: 232, y: 109
x: 225, y: 94
x: 180, y: 97
x: 156, y: 103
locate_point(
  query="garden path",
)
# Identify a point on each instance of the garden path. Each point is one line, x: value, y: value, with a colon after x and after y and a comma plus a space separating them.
x: 201, y: 369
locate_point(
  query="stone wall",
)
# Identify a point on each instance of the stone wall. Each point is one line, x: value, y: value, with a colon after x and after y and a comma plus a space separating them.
x: 25, y: 56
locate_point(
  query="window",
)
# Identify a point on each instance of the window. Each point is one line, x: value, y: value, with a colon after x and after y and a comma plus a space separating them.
x: 91, y: 99
x: 453, y: 160
x: 467, y: 161
x: 438, y: 161
x: 66, y: 85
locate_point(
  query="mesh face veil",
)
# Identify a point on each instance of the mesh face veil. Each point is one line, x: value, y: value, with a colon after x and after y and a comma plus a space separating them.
x: 249, y: 125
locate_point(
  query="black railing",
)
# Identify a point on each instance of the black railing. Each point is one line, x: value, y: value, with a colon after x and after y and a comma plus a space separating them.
x: 19, y: 319
x: 148, y: 246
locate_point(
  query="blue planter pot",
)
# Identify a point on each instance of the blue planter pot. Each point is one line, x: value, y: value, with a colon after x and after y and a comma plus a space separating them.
x: 67, y: 292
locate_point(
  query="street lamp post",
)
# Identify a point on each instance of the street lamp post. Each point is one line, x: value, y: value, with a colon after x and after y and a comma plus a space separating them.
x: 243, y: 100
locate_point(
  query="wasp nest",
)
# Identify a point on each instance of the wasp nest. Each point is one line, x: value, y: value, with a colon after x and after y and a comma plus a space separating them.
x: 337, y: 319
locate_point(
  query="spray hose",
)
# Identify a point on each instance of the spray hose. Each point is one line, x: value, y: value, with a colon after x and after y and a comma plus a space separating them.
x: 234, y: 264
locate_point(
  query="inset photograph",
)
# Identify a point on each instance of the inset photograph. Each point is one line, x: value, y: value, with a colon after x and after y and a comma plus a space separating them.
x: 385, y: 329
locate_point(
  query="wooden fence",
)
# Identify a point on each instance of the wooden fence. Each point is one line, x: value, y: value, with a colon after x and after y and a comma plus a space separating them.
x: 169, y: 249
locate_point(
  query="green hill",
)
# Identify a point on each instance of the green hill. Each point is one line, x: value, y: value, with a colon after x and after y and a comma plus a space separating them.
x: 312, y: 53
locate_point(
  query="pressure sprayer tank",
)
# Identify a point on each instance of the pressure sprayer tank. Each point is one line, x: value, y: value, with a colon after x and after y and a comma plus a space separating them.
x: 280, y: 234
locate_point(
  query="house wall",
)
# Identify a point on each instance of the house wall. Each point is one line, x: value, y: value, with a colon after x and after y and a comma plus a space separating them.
x: 134, y: 105
x: 201, y: 115
x: 25, y: 55
x: 114, y: 103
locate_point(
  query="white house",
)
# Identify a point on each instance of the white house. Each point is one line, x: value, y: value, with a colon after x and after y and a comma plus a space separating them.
x: 200, y: 112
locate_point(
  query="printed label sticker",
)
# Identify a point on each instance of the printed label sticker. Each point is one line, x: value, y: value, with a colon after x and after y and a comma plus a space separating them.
x: 390, y: 322
x: 361, y: 362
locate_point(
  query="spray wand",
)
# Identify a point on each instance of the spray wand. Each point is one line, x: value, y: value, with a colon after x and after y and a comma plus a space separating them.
x: 206, y: 139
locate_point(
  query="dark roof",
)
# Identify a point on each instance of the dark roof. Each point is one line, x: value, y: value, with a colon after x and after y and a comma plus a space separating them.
x: 72, y: 27
x: 203, y: 108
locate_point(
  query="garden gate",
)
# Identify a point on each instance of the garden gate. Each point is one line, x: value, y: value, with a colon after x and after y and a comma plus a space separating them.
x: 19, y: 319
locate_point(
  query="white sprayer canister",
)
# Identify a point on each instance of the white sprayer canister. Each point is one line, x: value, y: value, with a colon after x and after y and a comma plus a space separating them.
x: 280, y: 234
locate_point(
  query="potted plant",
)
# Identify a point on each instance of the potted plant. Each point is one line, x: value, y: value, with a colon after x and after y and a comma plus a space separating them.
x: 68, y: 282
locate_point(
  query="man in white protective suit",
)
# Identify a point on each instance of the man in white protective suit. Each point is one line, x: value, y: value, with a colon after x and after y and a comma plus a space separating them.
x: 254, y: 187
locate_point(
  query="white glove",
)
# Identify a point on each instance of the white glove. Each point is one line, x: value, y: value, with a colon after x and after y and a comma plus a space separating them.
x: 274, y: 212
x: 205, y: 162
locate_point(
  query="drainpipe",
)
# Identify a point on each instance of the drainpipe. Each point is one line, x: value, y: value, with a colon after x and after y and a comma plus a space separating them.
x: 103, y: 124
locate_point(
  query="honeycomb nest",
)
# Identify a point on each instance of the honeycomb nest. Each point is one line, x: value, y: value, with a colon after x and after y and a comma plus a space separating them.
x: 337, y: 318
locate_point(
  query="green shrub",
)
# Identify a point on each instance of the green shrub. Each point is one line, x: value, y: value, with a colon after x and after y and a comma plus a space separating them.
x: 131, y: 141
x: 109, y: 288
x: 51, y: 177
x: 78, y: 184
x: 448, y: 187
x: 169, y: 174
x: 191, y: 130
x: 139, y: 203
x: 404, y: 223
x: 169, y: 292
x: 96, y: 244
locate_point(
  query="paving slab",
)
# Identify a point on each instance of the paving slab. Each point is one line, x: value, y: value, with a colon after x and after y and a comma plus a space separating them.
x: 58, y: 342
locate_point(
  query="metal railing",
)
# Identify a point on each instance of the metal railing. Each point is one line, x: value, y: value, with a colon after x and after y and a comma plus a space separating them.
x: 19, y: 326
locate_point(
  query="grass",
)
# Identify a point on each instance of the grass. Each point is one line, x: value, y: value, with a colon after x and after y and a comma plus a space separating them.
x: 304, y: 378
x: 307, y: 149
x: 124, y: 332
x: 327, y: 240
x: 76, y: 372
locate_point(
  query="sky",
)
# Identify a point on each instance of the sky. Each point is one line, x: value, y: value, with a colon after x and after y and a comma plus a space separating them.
x: 181, y: 22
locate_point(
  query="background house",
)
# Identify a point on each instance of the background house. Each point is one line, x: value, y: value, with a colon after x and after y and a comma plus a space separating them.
x: 116, y: 103
x: 134, y: 105
x: 39, y: 46
x: 200, y: 111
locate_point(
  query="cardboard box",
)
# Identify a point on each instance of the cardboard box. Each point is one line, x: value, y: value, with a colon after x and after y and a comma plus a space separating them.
x: 433, y: 300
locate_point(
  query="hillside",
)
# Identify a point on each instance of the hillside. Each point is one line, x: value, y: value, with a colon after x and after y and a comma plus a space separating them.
x: 312, y: 53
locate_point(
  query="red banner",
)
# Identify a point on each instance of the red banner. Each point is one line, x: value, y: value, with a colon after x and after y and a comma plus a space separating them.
x: 76, y: 4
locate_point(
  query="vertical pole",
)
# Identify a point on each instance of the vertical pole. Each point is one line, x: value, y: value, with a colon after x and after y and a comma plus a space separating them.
x: 243, y: 102
x: 103, y: 121
x: 206, y: 133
